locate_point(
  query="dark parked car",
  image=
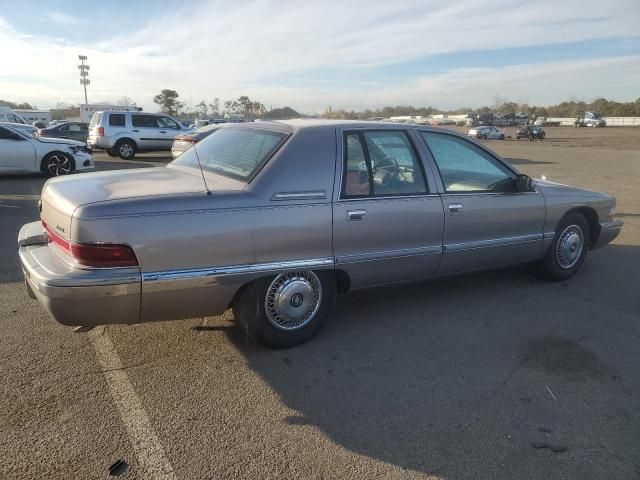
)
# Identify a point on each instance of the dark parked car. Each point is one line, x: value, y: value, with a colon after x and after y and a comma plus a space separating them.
x: 532, y: 132
x: 185, y: 141
x: 72, y: 130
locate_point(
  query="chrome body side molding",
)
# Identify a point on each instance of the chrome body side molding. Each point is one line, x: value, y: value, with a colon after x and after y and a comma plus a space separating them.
x: 496, y: 242
x: 311, y: 195
x: 232, y: 270
x: 387, y: 255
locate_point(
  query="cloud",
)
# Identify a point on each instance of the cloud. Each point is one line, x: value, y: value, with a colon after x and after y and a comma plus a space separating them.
x: 62, y: 19
x: 265, y: 47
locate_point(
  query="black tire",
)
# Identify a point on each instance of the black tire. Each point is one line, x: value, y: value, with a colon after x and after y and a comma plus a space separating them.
x: 551, y: 266
x: 56, y: 164
x: 111, y: 153
x: 126, y: 149
x: 250, y: 310
x: 502, y: 137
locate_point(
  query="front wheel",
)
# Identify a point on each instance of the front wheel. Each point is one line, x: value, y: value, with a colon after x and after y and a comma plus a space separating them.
x: 56, y: 164
x: 286, y: 310
x: 568, y: 250
x: 502, y: 137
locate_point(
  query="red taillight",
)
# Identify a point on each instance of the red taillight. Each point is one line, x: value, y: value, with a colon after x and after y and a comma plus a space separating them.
x: 185, y: 139
x: 107, y: 255
x: 40, y: 133
x: 100, y: 131
x: 95, y: 254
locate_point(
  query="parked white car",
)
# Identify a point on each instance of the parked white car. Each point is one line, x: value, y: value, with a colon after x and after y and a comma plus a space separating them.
x: 486, y: 133
x: 23, y: 127
x: 9, y: 115
x: 22, y: 153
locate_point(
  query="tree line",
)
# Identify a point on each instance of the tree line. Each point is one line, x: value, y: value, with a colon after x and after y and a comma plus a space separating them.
x: 570, y: 108
x: 169, y: 102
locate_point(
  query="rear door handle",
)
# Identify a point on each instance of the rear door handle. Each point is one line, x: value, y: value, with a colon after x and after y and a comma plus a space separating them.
x: 135, y: 130
x: 455, y: 207
x: 357, y: 214
x: 162, y: 131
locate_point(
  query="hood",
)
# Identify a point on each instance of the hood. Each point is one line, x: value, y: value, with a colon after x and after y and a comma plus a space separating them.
x: 64, y: 141
x: 554, y: 189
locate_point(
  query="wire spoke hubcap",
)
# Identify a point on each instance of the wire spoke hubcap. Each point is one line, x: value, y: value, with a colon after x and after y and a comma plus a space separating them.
x: 293, y: 300
x: 570, y: 246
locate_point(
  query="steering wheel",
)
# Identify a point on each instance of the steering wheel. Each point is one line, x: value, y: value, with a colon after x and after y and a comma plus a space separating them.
x: 385, y: 171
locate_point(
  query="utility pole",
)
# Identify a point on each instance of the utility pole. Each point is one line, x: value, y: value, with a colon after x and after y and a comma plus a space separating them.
x: 84, y: 74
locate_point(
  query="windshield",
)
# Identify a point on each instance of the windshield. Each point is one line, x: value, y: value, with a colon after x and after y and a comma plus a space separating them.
x: 233, y: 152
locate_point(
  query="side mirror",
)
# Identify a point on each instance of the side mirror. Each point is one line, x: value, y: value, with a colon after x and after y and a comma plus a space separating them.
x: 524, y: 183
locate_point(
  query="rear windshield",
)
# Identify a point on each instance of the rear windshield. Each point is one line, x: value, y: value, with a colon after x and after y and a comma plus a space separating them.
x: 116, y: 119
x: 95, y: 119
x: 233, y: 152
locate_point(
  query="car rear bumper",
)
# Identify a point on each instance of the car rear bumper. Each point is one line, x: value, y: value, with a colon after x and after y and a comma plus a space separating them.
x: 608, y: 232
x: 77, y: 296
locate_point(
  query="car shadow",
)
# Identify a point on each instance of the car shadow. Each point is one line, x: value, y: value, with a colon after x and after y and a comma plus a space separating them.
x: 492, y: 375
x: 526, y: 161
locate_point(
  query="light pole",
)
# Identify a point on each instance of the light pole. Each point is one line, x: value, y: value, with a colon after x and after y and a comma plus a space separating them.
x: 84, y: 74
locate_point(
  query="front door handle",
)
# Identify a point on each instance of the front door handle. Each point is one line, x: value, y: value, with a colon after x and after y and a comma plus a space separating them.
x: 162, y: 131
x: 135, y: 130
x: 455, y: 207
x: 356, y: 214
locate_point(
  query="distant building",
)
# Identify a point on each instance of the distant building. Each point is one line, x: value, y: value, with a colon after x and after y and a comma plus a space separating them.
x: 31, y: 116
x: 87, y: 110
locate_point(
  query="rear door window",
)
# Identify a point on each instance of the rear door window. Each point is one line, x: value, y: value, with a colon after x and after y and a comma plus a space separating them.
x: 144, y: 121
x: 116, y: 119
x: 381, y: 163
x: 166, y: 122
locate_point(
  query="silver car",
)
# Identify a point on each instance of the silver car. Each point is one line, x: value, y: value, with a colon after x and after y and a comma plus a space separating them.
x: 123, y: 134
x: 486, y: 133
x: 276, y: 219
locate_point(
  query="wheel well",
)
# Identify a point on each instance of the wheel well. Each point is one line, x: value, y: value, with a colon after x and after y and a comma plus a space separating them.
x: 120, y: 140
x: 46, y: 157
x: 342, y: 281
x: 592, y: 219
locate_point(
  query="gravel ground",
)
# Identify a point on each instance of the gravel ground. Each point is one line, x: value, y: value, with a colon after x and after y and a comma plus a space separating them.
x: 495, y: 375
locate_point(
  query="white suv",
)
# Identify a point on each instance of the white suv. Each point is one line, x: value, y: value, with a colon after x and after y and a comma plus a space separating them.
x: 123, y: 134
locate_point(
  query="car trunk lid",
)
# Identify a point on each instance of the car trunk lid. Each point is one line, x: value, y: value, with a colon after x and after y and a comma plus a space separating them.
x: 62, y: 196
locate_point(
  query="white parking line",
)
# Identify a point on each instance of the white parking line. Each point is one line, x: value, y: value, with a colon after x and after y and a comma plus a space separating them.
x: 146, y: 445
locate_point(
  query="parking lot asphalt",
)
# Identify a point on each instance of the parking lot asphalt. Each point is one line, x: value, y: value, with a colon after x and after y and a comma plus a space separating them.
x: 494, y: 375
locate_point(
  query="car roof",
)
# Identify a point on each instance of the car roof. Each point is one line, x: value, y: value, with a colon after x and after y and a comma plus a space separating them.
x: 291, y: 126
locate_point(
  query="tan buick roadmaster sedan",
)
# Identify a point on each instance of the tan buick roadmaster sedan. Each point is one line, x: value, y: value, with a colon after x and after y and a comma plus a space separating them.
x: 274, y: 219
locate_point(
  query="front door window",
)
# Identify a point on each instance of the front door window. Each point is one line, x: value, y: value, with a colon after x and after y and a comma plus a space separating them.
x: 465, y: 167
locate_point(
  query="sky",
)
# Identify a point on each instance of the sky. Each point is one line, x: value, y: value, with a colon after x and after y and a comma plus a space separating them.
x: 349, y: 54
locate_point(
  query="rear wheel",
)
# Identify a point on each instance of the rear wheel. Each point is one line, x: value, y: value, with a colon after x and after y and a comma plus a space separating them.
x: 56, y: 164
x: 286, y: 310
x: 126, y: 149
x: 569, y: 248
x: 502, y: 137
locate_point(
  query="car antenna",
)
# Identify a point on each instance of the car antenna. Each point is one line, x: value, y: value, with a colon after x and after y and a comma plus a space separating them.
x: 206, y: 187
